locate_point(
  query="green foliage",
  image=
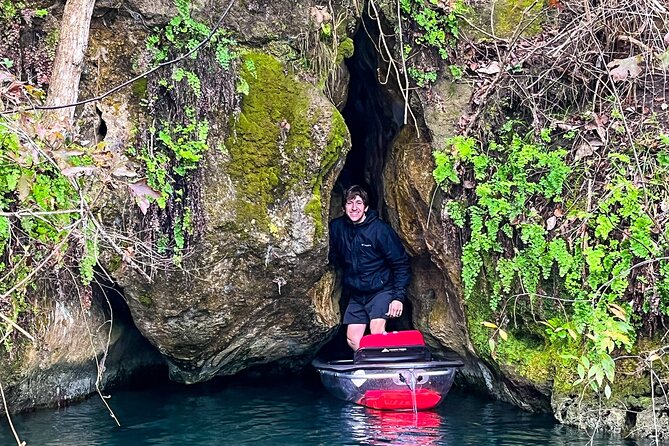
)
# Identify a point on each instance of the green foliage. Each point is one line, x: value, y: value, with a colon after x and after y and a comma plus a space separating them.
x: 192, y: 79
x: 90, y: 255
x: 456, y: 212
x: 510, y: 173
x: 513, y: 248
x: 183, y: 146
x: 39, y: 204
x: 456, y: 71
x: 9, y: 9
x: 433, y: 27
x: 183, y: 33
x: 422, y: 78
x: 436, y: 28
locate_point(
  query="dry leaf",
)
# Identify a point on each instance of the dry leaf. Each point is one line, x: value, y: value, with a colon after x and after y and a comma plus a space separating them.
x: 493, y: 68
x: 664, y: 60
x: 24, y: 186
x: 142, y: 193
x: 74, y: 171
x: 566, y: 126
x: 621, y: 69
x: 664, y: 205
x: 583, y: 151
x: 123, y: 171
x: 550, y: 223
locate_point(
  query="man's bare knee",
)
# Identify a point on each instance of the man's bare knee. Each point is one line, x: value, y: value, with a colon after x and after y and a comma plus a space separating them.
x: 353, y: 335
x: 377, y: 326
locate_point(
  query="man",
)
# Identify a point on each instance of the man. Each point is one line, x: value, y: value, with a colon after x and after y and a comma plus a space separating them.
x: 375, y: 266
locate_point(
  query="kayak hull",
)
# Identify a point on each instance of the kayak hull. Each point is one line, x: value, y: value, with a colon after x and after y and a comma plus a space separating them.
x: 421, y: 386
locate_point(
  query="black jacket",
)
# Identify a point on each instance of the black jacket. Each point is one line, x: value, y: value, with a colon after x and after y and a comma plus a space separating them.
x: 371, y: 255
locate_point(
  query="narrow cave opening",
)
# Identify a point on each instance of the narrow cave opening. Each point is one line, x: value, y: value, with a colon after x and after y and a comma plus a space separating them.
x: 131, y: 360
x: 374, y: 114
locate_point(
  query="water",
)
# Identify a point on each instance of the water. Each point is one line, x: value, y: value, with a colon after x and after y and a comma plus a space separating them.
x: 285, y: 413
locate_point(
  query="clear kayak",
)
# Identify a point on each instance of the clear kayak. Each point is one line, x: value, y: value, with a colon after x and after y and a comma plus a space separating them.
x: 393, y: 371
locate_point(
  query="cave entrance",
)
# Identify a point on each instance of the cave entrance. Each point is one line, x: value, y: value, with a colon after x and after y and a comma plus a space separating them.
x: 374, y: 114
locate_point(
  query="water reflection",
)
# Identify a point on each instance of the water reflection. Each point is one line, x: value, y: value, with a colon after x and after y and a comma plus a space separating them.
x: 286, y: 414
x: 378, y: 427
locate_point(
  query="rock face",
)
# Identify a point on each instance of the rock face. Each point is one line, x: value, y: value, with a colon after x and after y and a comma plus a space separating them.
x: 78, y: 351
x: 254, y: 289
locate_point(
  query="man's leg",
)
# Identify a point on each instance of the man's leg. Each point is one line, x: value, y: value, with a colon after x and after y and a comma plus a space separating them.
x: 377, y: 326
x: 377, y: 309
x: 354, y: 333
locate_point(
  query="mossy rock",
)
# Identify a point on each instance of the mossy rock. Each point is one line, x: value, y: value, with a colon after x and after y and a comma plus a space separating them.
x: 284, y: 140
x: 345, y: 49
x: 525, y: 350
x: 508, y: 16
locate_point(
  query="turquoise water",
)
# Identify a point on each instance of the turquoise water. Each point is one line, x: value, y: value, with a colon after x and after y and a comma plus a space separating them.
x: 284, y: 413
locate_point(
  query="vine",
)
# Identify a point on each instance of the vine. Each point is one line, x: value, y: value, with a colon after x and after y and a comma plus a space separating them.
x: 172, y: 148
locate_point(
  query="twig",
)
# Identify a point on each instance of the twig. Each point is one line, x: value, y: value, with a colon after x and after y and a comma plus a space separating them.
x: 134, y: 79
x: 9, y: 418
x: 99, y: 364
x: 40, y: 266
x: 17, y: 327
x: 29, y: 213
x: 404, y: 89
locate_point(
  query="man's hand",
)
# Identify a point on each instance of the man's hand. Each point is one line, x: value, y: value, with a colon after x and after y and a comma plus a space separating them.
x: 395, y: 309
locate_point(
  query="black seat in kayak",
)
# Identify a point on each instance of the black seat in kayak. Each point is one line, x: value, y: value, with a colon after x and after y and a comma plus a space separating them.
x: 402, y: 346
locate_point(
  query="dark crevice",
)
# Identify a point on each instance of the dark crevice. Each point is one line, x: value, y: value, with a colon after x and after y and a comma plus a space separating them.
x: 132, y: 360
x: 102, y: 126
x: 374, y: 117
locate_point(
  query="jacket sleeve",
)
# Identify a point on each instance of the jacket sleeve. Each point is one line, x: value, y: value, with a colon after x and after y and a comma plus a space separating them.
x: 398, y: 261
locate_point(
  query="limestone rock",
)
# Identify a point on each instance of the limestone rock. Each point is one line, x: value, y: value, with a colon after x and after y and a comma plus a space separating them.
x: 78, y: 349
x: 254, y: 289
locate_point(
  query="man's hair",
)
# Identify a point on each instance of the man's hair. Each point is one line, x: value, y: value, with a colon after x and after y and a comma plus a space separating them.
x: 355, y: 190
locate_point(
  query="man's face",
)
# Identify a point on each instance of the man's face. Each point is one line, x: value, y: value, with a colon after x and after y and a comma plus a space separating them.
x: 355, y: 209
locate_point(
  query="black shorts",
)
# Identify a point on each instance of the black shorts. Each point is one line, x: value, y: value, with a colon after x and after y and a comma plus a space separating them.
x: 363, y: 308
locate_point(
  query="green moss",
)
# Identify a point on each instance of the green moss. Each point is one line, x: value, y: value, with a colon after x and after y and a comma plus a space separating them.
x: 314, y: 210
x: 509, y: 15
x: 114, y: 263
x: 271, y: 138
x: 345, y: 49
x: 145, y: 300
x: 271, y: 142
x: 140, y: 88
x: 337, y: 140
x: 525, y: 350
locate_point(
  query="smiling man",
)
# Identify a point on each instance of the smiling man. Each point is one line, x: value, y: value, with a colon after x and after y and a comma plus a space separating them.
x: 374, y: 263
